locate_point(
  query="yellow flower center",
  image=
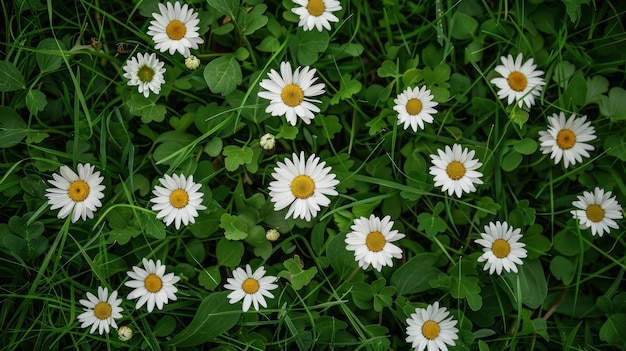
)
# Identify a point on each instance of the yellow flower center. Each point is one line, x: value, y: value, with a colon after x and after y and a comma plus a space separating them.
x: 179, y: 198
x: 250, y: 286
x: 153, y: 283
x: 302, y: 187
x: 500, y: 248
x: 595, y: 213
x: 176, y: 30
x: 455, y: 170
x: 145, y: 74
x: 102, y: 310
x: 565, y: 139
x: 292, y: 95
x: 414, y: 106
x: 316, y: 7
x: 517, y: 81
x: 431, y: 329
x: 78, y: 190
x: 375, y: 241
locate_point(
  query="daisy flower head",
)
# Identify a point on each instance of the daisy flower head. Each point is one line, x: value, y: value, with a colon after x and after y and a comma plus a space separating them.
x: 597, y: 210
x: 567, y: 139
x: 519, y: 83
x: 100, y: 311
x: 290, y: 93
x: 78, y: 194
x: 302, y: 184
x: 146, y: 72
x: 251, y: 287
x: 455, y: 170
x: 415, y: 107
x: 371, y: 240
x: 152, y: 286
x: 501, y: 247
x: 431, y: 328
x: 175, y: 28
x: 178, y: 200
x: 316, y: 13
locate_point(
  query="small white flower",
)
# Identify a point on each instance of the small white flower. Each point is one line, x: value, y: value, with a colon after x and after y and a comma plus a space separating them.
x: 268, y: 141
x: 455, y: 170
x: 146, y: 72
x: 303, y: 185
x: 272, y: 234
x: 251, y: 287
x: 178, y: 201
x: 519, y: 83
x: 152, y: 286
x: 101, y: 311
x: 415, y: 107
x: 316, y: 13
x: 431, y: 328
x: 175, y: 28
x: 290, y: 93
x: 78, y: 192
x: 192, y: 62
x: 501, y: 248
x: 598, y: 211
x: 371, y: 240
x: 124, y: 333
x: 567, y: 139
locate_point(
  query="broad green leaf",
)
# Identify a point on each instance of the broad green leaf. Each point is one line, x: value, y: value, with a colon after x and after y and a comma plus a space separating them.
x: 164, y: 326
x: 309, y: 45
x: 146, y: 108
x: 287, y: 132
x: 12, y: 128
x: 153, y: 227
x: 214, y: 147
x: 596, y: 86
x: 563, y: 269
x: 576, y: 92
x: 295, y: 273
x: 414, y: 276
x: 562, y: 73
x: 347, y: 88
x: 532, y: 283
x: 462, y: 26
x: 235, y: 156
x: 510, y: 160
x: 35, y: 101
x: 467, y: 287
x: 573, y: 8
x: 614, y: 106
x: 431, y: 224
x: 388, y: 69
x: 340, y: 259
x: 194, y: 251
x: 615, y: 146
x: 234, y: 228
x: 225, y: 7
x: 215, y: 316
x: 526, y: 146
x: 328, y: 124
x: 229, y: 253
x: 251, y: 21
x: 519, y: 116
x: 210, y: 277
x: 50, y: 54
x: 223, y: 74
x: 612, y: 330
x: 11, y: 78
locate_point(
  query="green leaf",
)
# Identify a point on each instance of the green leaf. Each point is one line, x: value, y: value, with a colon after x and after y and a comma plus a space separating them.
x: 540, y: 327
x: 614, y: 106
x: 287, y: 132
x: 519, y: 116
x: 153, y: 227
x: 347, y: 88
x: 596, y: 86
x: 340, y: 259
x: 414, y: 276
x: 235, y: 156
x: 210, y: 278
x: 146, y: 108
x: 467, y: 287
x: 573, y: 8
x: 11, y: 78
x: 251, y: 21
x: 12, y: 128
x: 164, y: 326
x: 225, y: 7
x: 215, y: 316
x: 388, y: 69
x: 298, y: 276
x: 229, y: 253
x: 526, y: 146
x: 431, y: 223
x: 50, y: 54
x: 223, y: 74
x: 510, y: 160
x: 563, y: 269
x: 532, y: 283
x: 214, y: 147
x: 234, y: 228
x: 35, y: 101
x: 328, y: 124
x: 309, y: 45
x: 612, y: 331
x: 576, y: 92
x: 562, y: 72
x: 462, y: 26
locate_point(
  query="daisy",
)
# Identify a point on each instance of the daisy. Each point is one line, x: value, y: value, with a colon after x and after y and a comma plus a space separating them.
x: 78, y: 192
x: 175, y: 28
x: 101, y: 311
x: 302, y: 185
x: 415, y: 107
x: 146, y: 72
x: 598, y: 211
x: 251, y: 287
x: 289, y: 93
x: 316, y: 13
x: 455, y: 170
x: 566, y: 139
x: 178, y: 201
x: 152, y: 285
x: 519, y: 83
x: 431, y: 328
x: 502, y: 248
x: 371, y: 240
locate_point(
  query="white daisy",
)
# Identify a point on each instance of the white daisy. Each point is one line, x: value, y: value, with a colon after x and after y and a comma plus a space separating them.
x: 455, y: 170
x: 502, y: 248
x: 371, y: 240
x: 178, y: 201
x: 316, y: 13
x: 567, y: 139
x: 251, y: 287
x: 152, y: 285
x: 175, y: 28
x: 519, y: 83
x: 302, y: 185
x: 289, y: 93
x: 598, y: 211
x: 431, y: 328
x: 146, y: 72
x: 101, y: 311
x: 78, y: 192
x: 415, y: 107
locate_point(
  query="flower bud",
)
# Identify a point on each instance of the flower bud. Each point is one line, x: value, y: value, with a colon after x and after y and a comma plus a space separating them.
x: 272, y: 234
x: 192, y: 62
x: 124, y: 333
x: 268, y: 141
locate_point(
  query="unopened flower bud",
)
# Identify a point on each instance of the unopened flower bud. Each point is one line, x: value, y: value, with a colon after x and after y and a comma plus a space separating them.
x: 272, y: 234
x: 124, y: 333
x: 192, y: 62
x: 268, y: 141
